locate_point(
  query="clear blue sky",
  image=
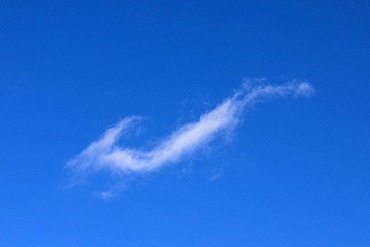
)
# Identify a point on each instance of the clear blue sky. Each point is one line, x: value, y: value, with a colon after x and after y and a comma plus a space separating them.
x: 294, y: 172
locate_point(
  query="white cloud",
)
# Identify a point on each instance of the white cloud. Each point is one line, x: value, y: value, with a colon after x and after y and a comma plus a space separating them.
x: 106, y: 154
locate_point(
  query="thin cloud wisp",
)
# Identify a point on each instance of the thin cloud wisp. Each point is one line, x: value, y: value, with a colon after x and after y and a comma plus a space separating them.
x: 106, y: 154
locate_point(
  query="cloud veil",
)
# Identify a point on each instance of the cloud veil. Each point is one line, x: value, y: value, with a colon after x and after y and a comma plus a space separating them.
x: 106, y: 154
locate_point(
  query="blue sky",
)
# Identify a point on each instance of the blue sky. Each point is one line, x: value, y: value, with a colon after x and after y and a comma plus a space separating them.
x: 289, y: 168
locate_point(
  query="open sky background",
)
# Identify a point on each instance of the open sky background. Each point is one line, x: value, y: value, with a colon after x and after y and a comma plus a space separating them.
x: 295, y: 172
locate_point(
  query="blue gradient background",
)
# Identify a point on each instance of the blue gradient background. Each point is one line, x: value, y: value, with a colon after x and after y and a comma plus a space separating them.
x: 295, y: 174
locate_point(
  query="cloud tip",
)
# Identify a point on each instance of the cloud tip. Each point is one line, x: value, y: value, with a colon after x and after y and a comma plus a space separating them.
x: 305, y: 89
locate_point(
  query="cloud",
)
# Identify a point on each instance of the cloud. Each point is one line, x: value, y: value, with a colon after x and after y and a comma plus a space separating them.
x: 105, y: 154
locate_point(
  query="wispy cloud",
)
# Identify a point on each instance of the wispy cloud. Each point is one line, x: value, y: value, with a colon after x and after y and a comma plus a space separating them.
x: 106, y: 154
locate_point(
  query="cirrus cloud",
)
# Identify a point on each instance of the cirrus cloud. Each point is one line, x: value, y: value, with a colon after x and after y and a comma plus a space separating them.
x: 106, y: 154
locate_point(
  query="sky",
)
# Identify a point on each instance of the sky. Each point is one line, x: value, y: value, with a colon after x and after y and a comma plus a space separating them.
x: 184, y: 123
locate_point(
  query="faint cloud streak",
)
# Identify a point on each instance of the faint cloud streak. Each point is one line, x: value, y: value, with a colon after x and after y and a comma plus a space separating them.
x: 106, y: 154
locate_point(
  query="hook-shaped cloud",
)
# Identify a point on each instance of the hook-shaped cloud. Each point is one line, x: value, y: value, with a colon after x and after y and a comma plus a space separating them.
x: 105, y: 153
